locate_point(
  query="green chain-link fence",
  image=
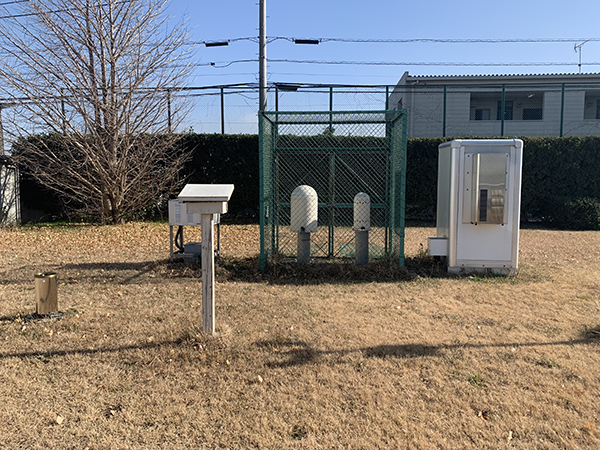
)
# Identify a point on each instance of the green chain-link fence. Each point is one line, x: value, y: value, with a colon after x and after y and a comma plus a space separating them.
x: 338, y: 154
x: 441, y: 108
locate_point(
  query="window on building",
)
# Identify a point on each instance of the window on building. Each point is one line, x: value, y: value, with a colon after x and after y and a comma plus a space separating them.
x: 482, y: 114
x: 591, y: 106
x: 508, y: 110
x: 532, y: 113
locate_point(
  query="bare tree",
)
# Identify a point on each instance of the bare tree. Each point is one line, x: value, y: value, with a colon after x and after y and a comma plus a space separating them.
x: 91, y: 81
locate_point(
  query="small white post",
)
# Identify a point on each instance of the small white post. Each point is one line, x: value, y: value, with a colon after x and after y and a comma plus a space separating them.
x: 208, y: 274
x: 303, y: 256
x: 304, y: 212
x: 362, y: 225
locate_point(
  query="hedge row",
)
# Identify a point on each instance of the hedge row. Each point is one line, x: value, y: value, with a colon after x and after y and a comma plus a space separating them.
x: 561, y: 176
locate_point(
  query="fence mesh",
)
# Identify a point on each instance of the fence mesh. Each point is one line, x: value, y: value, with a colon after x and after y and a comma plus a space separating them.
x: 435, y: 110
x: 338, y: 154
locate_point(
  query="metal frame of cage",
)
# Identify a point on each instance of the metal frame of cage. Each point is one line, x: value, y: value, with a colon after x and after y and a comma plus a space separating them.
x: 339, y: 154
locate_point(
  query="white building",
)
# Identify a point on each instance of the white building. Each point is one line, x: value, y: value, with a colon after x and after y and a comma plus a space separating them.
x: 499, y: 105
x: 9, y: 193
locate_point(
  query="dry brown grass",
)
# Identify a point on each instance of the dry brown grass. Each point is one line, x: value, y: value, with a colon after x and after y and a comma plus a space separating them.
x: 421, y: 362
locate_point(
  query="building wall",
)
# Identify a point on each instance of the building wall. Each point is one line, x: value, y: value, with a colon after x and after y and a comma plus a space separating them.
x: 465, y: 102
x: 9, y: 195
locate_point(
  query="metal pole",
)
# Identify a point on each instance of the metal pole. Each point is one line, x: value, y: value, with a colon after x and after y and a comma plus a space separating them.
x: 330, y: 110
x: 208, y: 274
x: 444, y: 113
x: 262, y: 56
x: 502, y: 110
x: 63, y: 111
x: 387, y: 98
x: 169, y: 109
x: 1, y: 134
x: 562, y: 109
x: 222, y: 112
x: 303, y: 256
x: 331, y: 249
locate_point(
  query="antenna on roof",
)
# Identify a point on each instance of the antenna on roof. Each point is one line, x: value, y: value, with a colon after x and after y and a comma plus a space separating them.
x: 577, y: 48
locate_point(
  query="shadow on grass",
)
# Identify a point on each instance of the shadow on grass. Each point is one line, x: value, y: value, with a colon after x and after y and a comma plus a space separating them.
x: 284, y: 272
x: 294, y: 353
x: 142, y: 268
x: 290, y: 352
x: 73, y: 273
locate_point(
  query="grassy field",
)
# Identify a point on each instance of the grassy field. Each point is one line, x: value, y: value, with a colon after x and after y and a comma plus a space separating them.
x: 378, y: 358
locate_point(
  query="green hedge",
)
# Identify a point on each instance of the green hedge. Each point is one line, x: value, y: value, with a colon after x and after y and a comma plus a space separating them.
x: 561, y: 176
x: 226, y: 159
x: 561, y: 179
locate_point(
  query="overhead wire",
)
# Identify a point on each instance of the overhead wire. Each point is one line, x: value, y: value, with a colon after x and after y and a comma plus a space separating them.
x: 224, y: 64
x: 445, y: 40
x: 410, y: 40
x: 58, y: 11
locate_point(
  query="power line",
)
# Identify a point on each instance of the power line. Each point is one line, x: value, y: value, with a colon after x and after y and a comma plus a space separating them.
x: 411, y: 40
x: 220, y: 65
x: 58, y: 11
x: 449, y: 41
x: 423, y: 63
x: 13, y: 2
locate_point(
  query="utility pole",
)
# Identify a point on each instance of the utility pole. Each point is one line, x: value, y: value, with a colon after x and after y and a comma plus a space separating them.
x: 262, y: 56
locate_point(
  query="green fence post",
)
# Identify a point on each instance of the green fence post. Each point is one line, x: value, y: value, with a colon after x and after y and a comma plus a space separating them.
x: 444, y: 113
x: 169, y: 110
x: 262, y: 206
x: 387, y: 98
x: 331, y: 200
x: 222, y: 111
x: 402, y: 220
x: 331, y: 109
x: 562, y: 109
x: 502, y: 110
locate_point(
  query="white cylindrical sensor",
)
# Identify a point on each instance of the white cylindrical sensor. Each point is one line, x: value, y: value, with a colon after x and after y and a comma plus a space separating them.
x: 304, y: 204
x: 362, y: 212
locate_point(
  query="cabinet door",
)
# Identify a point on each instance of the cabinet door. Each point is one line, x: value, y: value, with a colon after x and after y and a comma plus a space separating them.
x: 485, y: 188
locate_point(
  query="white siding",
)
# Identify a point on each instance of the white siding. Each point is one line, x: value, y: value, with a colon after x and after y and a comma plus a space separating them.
x: 9, y: 195
x: 425, y: 103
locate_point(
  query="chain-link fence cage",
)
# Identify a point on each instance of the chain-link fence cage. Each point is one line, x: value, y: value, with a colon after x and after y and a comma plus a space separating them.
x: 339, y: 155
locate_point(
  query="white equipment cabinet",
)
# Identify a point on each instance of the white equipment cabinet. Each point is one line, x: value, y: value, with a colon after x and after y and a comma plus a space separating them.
x: 478, y: 205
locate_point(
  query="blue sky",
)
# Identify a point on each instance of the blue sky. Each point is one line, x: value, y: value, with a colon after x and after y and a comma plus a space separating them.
x: 466, y: 19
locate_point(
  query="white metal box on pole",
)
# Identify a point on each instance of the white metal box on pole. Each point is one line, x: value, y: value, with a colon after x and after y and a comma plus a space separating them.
x: 207, y: 200
x: 478, y: 205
